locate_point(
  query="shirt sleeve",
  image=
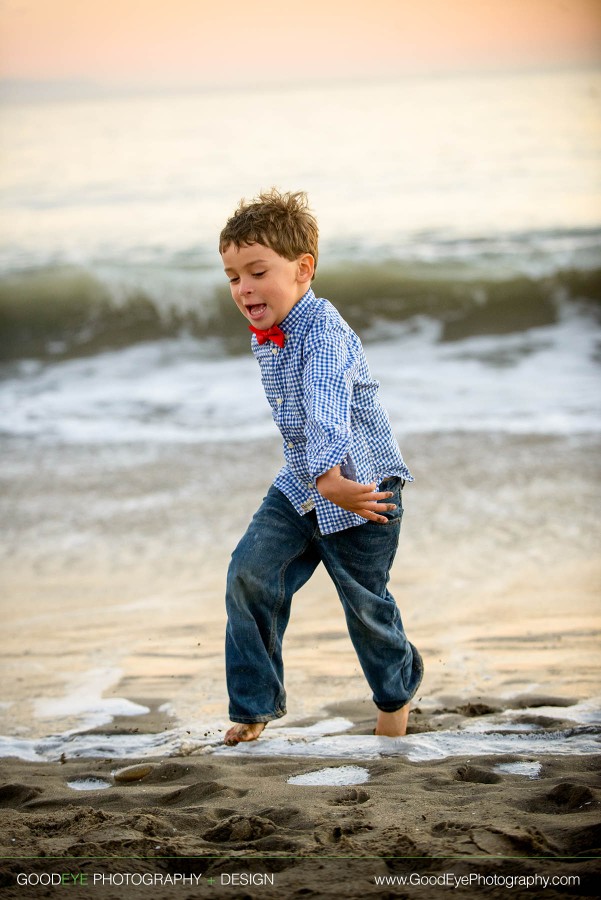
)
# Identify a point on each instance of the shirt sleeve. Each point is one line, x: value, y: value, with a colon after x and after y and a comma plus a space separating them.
x: 328, y: 379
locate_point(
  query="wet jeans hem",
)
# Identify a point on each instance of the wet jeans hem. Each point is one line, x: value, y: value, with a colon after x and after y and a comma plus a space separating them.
x: 255, y: 720
x: 418, y: 674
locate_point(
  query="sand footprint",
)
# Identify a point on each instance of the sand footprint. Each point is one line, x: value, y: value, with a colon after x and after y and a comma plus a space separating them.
x: 17, y: 794
x: 240, y: 828
x: 451, y: 829
x: 584, y: 840
x: 328, y: 834
x: 200, y: 792
x: 525, y: 842
x: 563, y: 798
x: 350, y: 798
x: 476, y: 775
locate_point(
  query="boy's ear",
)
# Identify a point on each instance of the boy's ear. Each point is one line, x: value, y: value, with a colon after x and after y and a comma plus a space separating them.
x: 306, y: 267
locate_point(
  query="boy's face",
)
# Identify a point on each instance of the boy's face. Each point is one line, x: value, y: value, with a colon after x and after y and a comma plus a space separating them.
x: 265, y: 286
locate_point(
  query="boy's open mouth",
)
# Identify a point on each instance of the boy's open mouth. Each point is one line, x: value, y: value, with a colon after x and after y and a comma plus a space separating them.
x: 257, y: 310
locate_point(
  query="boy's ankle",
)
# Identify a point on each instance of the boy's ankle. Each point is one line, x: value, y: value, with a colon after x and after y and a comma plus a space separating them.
x: 392, y: 724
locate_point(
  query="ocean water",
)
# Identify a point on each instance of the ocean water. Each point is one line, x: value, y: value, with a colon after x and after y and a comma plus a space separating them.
x: 460, y: 235
x: 578, y: 732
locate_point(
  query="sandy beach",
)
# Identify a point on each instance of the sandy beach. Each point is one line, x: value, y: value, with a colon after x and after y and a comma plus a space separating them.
x: 458, y: 202
x: 113, y: 622
x: 235, y: 815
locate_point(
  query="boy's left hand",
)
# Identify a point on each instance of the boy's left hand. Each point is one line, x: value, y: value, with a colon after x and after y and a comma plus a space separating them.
x: 361, y: 499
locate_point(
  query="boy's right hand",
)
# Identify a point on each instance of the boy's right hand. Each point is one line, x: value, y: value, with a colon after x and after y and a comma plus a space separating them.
x: 362, y: 499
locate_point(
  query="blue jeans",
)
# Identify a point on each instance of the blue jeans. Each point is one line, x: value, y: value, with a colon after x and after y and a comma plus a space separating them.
x: 277, y: 555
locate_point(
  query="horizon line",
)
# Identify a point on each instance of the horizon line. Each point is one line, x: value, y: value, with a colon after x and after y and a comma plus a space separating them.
x: 21, y: 89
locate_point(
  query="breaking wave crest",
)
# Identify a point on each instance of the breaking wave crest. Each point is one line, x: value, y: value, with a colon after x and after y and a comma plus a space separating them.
x: 68, y: 311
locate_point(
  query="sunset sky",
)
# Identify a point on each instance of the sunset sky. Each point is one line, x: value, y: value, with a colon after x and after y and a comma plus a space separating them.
x: 179, y: 42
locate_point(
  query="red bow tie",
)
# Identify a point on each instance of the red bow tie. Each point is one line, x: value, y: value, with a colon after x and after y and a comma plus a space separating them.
x: 274, y: 334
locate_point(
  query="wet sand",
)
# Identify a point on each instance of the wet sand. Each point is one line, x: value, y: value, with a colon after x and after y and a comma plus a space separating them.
x: 112, y: 582
x: 209, y: 817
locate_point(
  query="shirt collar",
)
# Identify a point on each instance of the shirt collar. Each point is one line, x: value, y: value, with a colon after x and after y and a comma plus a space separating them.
x: 297, y: 313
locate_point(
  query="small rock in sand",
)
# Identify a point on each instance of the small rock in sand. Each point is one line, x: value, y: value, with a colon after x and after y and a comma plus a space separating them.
x: 132, y: 773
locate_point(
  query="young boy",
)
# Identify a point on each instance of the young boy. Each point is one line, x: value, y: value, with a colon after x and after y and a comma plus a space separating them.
x: 329, y: 503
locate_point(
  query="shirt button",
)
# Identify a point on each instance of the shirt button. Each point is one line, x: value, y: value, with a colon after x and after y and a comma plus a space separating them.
x: 290, y: 445
x: 279, y: 401
x: 309, y: 484
x: 274, y: 350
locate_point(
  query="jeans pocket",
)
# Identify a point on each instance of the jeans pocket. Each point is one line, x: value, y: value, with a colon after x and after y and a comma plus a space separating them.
x: 394, y: 484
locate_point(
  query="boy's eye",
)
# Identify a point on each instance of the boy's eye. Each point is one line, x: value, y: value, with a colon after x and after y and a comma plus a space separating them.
x: 258, y: 274
x: 234, y: 280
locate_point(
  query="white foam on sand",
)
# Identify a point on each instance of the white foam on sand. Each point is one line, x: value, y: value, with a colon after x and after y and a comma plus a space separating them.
x: 488, y: 735
x: 317, y: 729
x: 585, y: 712
x: 88, y: 784
x: 527, y: 769
x: 332, y: 776
x: 328, y: 739
x: 174, y: 742
x: 83, y: 698
x: 423, y: 747
x: 74, y: 745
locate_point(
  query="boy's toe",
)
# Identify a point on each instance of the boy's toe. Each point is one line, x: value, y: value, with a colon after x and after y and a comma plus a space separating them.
x: 240, y: 732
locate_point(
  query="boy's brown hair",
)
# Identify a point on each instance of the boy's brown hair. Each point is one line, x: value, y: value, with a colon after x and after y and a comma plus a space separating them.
x: 281, y: 221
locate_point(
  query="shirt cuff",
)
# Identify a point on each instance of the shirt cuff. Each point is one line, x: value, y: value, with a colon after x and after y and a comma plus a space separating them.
x: 334, y: 455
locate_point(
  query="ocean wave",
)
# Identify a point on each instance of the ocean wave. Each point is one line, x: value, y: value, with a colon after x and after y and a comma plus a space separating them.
x: 184, y: 390
x: 69, y: 311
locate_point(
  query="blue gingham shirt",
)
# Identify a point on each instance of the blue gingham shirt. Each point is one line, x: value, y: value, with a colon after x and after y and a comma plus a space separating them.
x: 325, y: 404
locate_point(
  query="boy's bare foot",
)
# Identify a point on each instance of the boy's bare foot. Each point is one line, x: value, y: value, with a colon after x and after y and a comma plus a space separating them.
x: 240, y: 732
x: 393, y: 724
